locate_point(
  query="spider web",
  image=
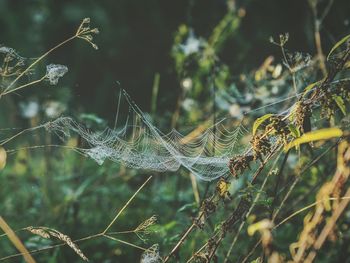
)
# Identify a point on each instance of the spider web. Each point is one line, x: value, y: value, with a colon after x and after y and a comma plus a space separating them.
x: 139, y: 144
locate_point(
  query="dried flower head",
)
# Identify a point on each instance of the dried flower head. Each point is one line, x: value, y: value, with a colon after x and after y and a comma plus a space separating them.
x: 284, y: 38
x: 85, y: 32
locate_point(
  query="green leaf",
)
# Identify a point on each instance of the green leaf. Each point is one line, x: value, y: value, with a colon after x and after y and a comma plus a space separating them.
x: 340, y: 102
x: 294, y: 130
x: 259, y: 121
x: 311, y: 86
x: 322, y: 134
x: 91, y: 117
x: 259, y: 226
x: 187, y: 207
x: 340, y: 42
x: 257, y: 260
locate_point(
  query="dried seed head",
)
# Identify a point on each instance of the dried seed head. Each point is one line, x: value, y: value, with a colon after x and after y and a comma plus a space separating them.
x: 143, y: 227
x: 38, y: 231
x: 239, y: 163
x: 278, y: 127
x: 208, y: 206
x: 66, y: 239
x: 302, y: 117
x: 284, y: 38
x: 84, y: 32
x: 46, y: 232
x: 261, y: 146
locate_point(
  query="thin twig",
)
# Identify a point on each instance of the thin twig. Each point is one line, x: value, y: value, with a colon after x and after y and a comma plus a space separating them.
x: 125, y: 206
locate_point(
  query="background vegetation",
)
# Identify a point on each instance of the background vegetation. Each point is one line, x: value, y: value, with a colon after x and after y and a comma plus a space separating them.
x: 186, y: 64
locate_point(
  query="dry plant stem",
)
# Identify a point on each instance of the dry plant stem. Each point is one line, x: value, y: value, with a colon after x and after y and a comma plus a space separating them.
x: 17, y: 134
x: 253, y: 205
x: 45, y: 146
x: 330, y: 78
x: 75, y: 241
x: 247, y: 211
x: 262, y: 165
x: 176, y: 113
x: 79, y: 34
x: 7, y: 90
x: 228, y: 254
x: 346, y: 197
x: 195, y: 188
x: 179, y: 243
x: 202, y: 247
x: 125, y: 206
x: 320, y: 54
x: 102, y: 234
x: 317, y: 35
x: 328, y: 227
x: 31, y: 252
x: 185, y: 235
x: 340, y: 176
x: 331, y: 75
x: 295, y: 84
x: 232, y: 218
x: 213, y: 251
x: 290, y: 70
x: 238, y: 214
x: 124, y: 242
x: 250, y: 252
x: 296, y: 180
x: 23, y: 86
x: 279, y: 176
x: 16, y: 241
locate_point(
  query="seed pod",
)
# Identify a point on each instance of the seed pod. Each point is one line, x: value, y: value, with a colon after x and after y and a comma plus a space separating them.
x: 3, y: 156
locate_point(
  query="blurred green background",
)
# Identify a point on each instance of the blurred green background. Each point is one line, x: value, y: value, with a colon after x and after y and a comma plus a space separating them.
x: 137, y: 36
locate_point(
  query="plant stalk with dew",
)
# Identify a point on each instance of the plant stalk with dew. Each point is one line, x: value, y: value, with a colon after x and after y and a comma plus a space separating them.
x: 84, y: 32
